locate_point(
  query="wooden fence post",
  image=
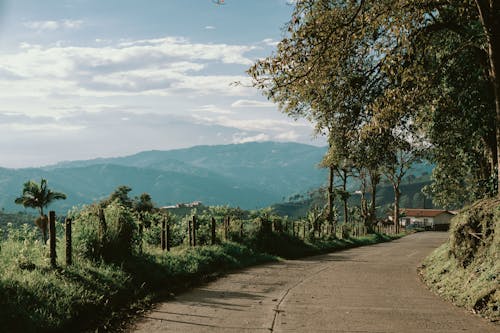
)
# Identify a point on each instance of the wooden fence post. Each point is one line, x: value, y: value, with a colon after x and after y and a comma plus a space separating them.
x: 190, y: 233
x: 227, y: 221
x: 102, y: 224
x: 102, y: 219
x: 162, y: 235
x: 194, y: 230
x: 69, y: 259
x: 167, y: 236
x: 52, y: 238
x: 241, y: 229
x: 213, y: 231
x: 141, y: 232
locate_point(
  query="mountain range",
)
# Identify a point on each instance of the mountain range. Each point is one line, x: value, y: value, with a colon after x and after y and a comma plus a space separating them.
x: 250, y: 175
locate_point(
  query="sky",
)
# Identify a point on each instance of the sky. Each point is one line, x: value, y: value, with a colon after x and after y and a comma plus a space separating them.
x: 81, y: 79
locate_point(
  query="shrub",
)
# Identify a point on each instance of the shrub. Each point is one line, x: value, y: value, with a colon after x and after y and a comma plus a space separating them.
x: 152, y: 234
x: 116, y: 240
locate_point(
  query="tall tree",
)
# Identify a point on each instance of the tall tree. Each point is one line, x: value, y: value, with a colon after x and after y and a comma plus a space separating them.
x: 489, y: 14
x: 307, y: 80
x: 395, y: 169
x: 380, y: 61
x: 39, y: 196
x: 369, y: 155
x: 120, y: 194
x: 143, y: 203
x: 461, y: 119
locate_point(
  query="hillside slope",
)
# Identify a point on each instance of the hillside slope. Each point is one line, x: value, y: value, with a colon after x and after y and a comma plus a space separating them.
x: 281, y: 168
x: 251, y: 175
x: 466, y: 269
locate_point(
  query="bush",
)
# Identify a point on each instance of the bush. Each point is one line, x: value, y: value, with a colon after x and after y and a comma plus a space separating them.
x: 114, y: 241
x: 152, y: 234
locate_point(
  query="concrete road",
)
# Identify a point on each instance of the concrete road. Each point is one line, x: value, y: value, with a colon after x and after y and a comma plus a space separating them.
x: 367, y: 289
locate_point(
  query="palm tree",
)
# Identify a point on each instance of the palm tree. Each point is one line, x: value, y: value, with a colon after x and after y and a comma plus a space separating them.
x: 38, y: 196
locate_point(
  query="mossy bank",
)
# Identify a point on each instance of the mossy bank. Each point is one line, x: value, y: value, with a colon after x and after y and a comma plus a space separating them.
x: 466, y: 269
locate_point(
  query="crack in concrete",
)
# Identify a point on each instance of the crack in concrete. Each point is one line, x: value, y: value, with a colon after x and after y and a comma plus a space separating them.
x: 277, y: 310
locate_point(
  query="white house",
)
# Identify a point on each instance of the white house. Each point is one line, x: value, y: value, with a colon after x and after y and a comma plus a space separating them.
x: 434, y: 219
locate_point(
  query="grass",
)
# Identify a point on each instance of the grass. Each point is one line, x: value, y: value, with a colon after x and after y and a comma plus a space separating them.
x: 37, y: 298
x: 466, y: 269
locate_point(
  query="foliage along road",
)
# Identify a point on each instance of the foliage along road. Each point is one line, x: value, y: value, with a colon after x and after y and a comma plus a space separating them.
x: 367, y: 289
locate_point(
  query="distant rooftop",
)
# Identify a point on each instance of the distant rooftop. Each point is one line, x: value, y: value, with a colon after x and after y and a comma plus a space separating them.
x: 415, y: 212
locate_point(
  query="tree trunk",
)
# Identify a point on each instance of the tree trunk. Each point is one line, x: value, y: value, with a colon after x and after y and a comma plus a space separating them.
x: 162, y: 234
x: 194, y: 225
x: 42, y: 222
x: 494, y: 52
x: 363, y: 203
x: 489, y: 13
x: 374, y: 180
x: 330, y: 194
x: 52, y: 238
x: 69, y: 252
x: 397, y: 194
x: 364, y: 207
x: 345, y: 198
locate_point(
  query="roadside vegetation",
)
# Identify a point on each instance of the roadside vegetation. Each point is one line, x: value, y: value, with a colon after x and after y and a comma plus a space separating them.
x: 466, y: 269
x: 119, y: 267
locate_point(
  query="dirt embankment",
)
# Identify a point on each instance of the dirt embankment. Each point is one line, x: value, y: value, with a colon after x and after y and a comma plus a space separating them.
x: 466, y: 269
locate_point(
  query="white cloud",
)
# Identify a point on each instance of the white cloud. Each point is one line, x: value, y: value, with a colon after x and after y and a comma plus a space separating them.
x: 142, y: 67
x: 270, y: 42
x: 11, y: 122
x: 210, y: 108
x: 72, y: 24
x: 214, y: 84
x: 266, y: 125
x: 101, y: 40
x: 242, y: 138
x: 287, y: 136
x: 210, y: 27
x: 246, y: 103
x: 42, y: 25
x: 46, y: 128
x: 183, y: 48
x: 53, y: 25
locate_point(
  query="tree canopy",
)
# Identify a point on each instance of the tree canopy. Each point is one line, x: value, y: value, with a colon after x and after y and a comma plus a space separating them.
x: 419, y: 76
x: 38, y: 196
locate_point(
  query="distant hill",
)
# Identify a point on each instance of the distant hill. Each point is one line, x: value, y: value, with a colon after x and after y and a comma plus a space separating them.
x: 411, y: 196
x: 250, y: 175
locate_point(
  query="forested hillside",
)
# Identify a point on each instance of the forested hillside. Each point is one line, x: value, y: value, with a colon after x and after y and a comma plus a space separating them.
x: 251, y: 175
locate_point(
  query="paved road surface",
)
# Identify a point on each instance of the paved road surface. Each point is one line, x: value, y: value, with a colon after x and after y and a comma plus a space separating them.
x: 367, y: 289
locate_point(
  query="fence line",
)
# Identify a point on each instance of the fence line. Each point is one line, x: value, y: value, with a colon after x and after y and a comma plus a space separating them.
x: 301, y: 229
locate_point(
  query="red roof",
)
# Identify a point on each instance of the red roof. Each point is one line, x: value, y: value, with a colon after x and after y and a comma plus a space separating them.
x: 415, y: 212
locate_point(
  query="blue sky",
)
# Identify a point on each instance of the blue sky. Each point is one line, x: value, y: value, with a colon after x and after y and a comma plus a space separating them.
x: 82, y: 79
